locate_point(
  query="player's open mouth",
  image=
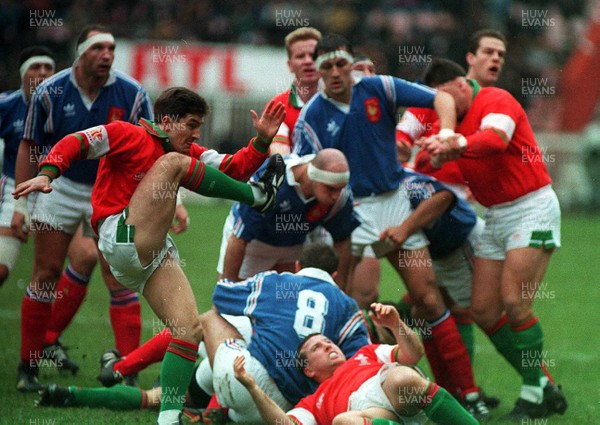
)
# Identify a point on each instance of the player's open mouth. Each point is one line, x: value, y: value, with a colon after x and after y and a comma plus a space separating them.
x: 333, y: 355
x: 494, y: 69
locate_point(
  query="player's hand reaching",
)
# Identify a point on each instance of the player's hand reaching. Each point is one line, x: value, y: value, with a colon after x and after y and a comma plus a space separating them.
x: 36, y: 184
x: 267, y: 125
x: 397, y: 234
x: 240, y: 373
x: 386, y: 315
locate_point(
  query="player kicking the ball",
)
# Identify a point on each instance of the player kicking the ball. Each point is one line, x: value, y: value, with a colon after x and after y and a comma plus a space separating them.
x: 141, y: 170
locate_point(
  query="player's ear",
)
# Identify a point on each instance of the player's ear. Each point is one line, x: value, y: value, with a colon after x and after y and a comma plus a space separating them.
x: 470, y: 59
x: 308, y: 372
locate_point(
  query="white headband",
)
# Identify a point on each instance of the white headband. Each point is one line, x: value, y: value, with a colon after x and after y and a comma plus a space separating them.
x: 331, y: 55
x: 327, y: 177
x: 35, y: 59
x: 103, y: 37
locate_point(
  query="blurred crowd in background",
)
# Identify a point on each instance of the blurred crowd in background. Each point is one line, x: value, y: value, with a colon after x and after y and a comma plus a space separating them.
x: 388, y: 31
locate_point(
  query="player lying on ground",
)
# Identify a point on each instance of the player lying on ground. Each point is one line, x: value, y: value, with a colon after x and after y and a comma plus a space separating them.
x: 376, y: 384
x: 141, y: 170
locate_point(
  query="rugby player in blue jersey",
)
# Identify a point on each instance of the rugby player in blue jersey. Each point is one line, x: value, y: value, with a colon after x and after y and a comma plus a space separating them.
x: 358, y: 117
x: 314, y: 193
x: 35, y: 64
x: 87, y: 94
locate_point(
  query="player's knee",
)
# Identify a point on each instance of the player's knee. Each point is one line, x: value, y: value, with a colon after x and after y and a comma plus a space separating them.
x: 47, y: 273
x: 410, y: 388
x: 196, y: 330
x: 206, y: 317
x: 516, y: 309
x: 428, y: 303
x: 346, y: 418
x: 84, y: 260
x: 170, y: 160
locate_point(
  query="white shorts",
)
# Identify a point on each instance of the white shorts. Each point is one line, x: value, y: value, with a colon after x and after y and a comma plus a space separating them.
x: 232, y: 394
x: 455, y: 271
x: 7, y: 202
x: 379, y: 212
x: 204, y: 373
x: 68, y: 205
x: 116, y: 244
x: 371, y: 394
x: 532, y: 220
x: 259, y: 256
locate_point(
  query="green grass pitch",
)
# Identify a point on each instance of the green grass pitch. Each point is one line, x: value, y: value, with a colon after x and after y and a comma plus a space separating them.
x: 566, y: 305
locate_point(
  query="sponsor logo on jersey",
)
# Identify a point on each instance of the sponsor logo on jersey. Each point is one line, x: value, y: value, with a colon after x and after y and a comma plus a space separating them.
x: 316, y: 213
x: 95, y: 135
x: 18, y: 126
x: 285, y: 206
x: 333, y: 128
x: 373, y: 109
x: 69, y: 110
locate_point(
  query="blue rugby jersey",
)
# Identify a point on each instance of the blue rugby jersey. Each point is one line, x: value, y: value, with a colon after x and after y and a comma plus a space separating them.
x: 57, y: 109
x: 13, y: 109
x: 365, y: 130
x: 294, y: 216
x: 451, y: 230
x: 284, y: 309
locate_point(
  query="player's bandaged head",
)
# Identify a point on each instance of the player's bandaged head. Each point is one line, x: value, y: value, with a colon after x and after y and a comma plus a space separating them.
x: 35, y: 55
x: 85, y: 41
x: 327, y: 177
x: 332, y: 46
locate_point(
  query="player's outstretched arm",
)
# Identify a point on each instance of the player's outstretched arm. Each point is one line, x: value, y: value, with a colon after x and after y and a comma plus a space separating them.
x: 410, y: 348
x: 269, y: 122
x: 39, y: 183
x: 269, y: 411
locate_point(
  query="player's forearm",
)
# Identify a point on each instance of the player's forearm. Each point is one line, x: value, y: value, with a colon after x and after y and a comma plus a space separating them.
x: 234, y: 256
x: 268, y: 409
x: 446, y: 110
x: 410, y: 347
x: 26, y: 163
x: 485, y: 143
x: 344, y: 252
x: 429, y: 210
x: 247, y: 160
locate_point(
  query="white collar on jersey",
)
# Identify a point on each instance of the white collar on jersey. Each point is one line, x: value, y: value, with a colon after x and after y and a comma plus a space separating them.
x: 84, y: 98
x: 291, y: 161
x: 317, y: 274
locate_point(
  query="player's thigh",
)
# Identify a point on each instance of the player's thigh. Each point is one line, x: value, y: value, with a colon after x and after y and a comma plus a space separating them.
x: 357, y: 417
x: 522, y: 272
x: 486, y: 298
x: 231, y: 393
x: 454, y: 274
x: 415, y: 269
x: 50, y: 251
x: 170, y: 296
x: 216, y: 329
x: 152, y: 205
